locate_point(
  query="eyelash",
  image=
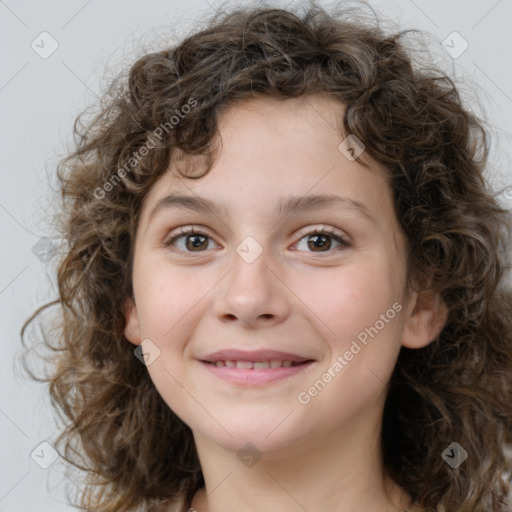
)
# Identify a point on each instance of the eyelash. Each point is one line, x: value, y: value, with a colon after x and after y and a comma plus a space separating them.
x: 303, y: 233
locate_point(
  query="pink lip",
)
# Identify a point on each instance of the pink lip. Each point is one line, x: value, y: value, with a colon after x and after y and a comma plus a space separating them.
x: 255, y: 376
x: 254, y: 355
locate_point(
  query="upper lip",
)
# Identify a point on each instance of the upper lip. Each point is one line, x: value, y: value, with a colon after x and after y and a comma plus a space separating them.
x: 254, y: 355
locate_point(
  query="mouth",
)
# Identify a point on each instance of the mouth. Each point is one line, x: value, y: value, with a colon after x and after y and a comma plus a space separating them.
x: 256, y: 367
x: 274, y: 357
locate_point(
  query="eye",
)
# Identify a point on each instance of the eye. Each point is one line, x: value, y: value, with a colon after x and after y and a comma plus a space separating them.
x: 194, y: 240
x: 319, y: 240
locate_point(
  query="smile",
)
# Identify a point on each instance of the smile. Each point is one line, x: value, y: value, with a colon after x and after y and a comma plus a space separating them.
x: 255, y: 373
x: 257, y: 365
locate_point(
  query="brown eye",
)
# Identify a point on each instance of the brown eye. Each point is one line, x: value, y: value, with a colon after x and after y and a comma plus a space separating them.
x: 195, y: 241
x: 321, y: 241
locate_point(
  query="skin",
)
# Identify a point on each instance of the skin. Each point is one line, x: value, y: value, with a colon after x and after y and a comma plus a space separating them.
x: 323, y: 455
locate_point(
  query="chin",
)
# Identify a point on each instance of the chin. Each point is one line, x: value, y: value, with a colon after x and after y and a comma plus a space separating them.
x: 253, y: 438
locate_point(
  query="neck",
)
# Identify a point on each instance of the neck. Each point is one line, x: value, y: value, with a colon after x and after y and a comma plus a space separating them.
x: 338, y: 471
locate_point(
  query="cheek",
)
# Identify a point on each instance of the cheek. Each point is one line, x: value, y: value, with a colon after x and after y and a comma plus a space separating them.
x: 168, y: 298
x: 367, y: 325
x: 172, y: 301
x: 348, y: 300
x: 166, y: 295
x: 359, y: 311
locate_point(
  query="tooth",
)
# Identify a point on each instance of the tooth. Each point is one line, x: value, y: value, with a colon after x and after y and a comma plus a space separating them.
x: 244, y: 364
x: 256, y: 365
x: 262, y: 365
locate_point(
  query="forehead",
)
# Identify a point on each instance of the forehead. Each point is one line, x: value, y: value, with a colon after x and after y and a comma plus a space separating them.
x: 271, y: 148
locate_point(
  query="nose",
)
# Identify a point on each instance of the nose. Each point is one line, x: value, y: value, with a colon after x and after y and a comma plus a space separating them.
x: 253, y: 294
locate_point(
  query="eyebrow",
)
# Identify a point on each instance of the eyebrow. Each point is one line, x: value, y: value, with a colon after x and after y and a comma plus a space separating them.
x: 286, y: 205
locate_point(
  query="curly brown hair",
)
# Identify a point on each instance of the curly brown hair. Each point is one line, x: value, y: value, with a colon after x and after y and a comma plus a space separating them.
x: 412, y: 121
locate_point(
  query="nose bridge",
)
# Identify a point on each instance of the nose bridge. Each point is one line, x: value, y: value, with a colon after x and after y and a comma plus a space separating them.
x: 251, y: 267
x: 251, y: 289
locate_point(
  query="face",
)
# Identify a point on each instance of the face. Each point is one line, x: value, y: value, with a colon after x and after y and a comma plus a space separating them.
x: 323, y: 283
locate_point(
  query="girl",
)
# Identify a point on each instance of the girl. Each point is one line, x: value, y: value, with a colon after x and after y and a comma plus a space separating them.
x: 285, y: 285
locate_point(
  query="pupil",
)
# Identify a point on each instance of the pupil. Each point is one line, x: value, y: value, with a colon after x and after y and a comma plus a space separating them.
x: 196, y: 244
x: 316, y: 239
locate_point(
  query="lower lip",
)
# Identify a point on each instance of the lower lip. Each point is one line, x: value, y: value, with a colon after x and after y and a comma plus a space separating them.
x: 251, y: 377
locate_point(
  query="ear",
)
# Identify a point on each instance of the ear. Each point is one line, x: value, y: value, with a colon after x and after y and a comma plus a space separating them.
x: 426, y: 317
x: 132, y: 325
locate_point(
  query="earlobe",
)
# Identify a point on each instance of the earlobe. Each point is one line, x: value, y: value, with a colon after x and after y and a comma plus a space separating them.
x: 132, y: 325
x: 427, y: 317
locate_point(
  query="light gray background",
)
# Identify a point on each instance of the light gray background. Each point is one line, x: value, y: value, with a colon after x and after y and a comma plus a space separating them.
x: 39, y: 99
